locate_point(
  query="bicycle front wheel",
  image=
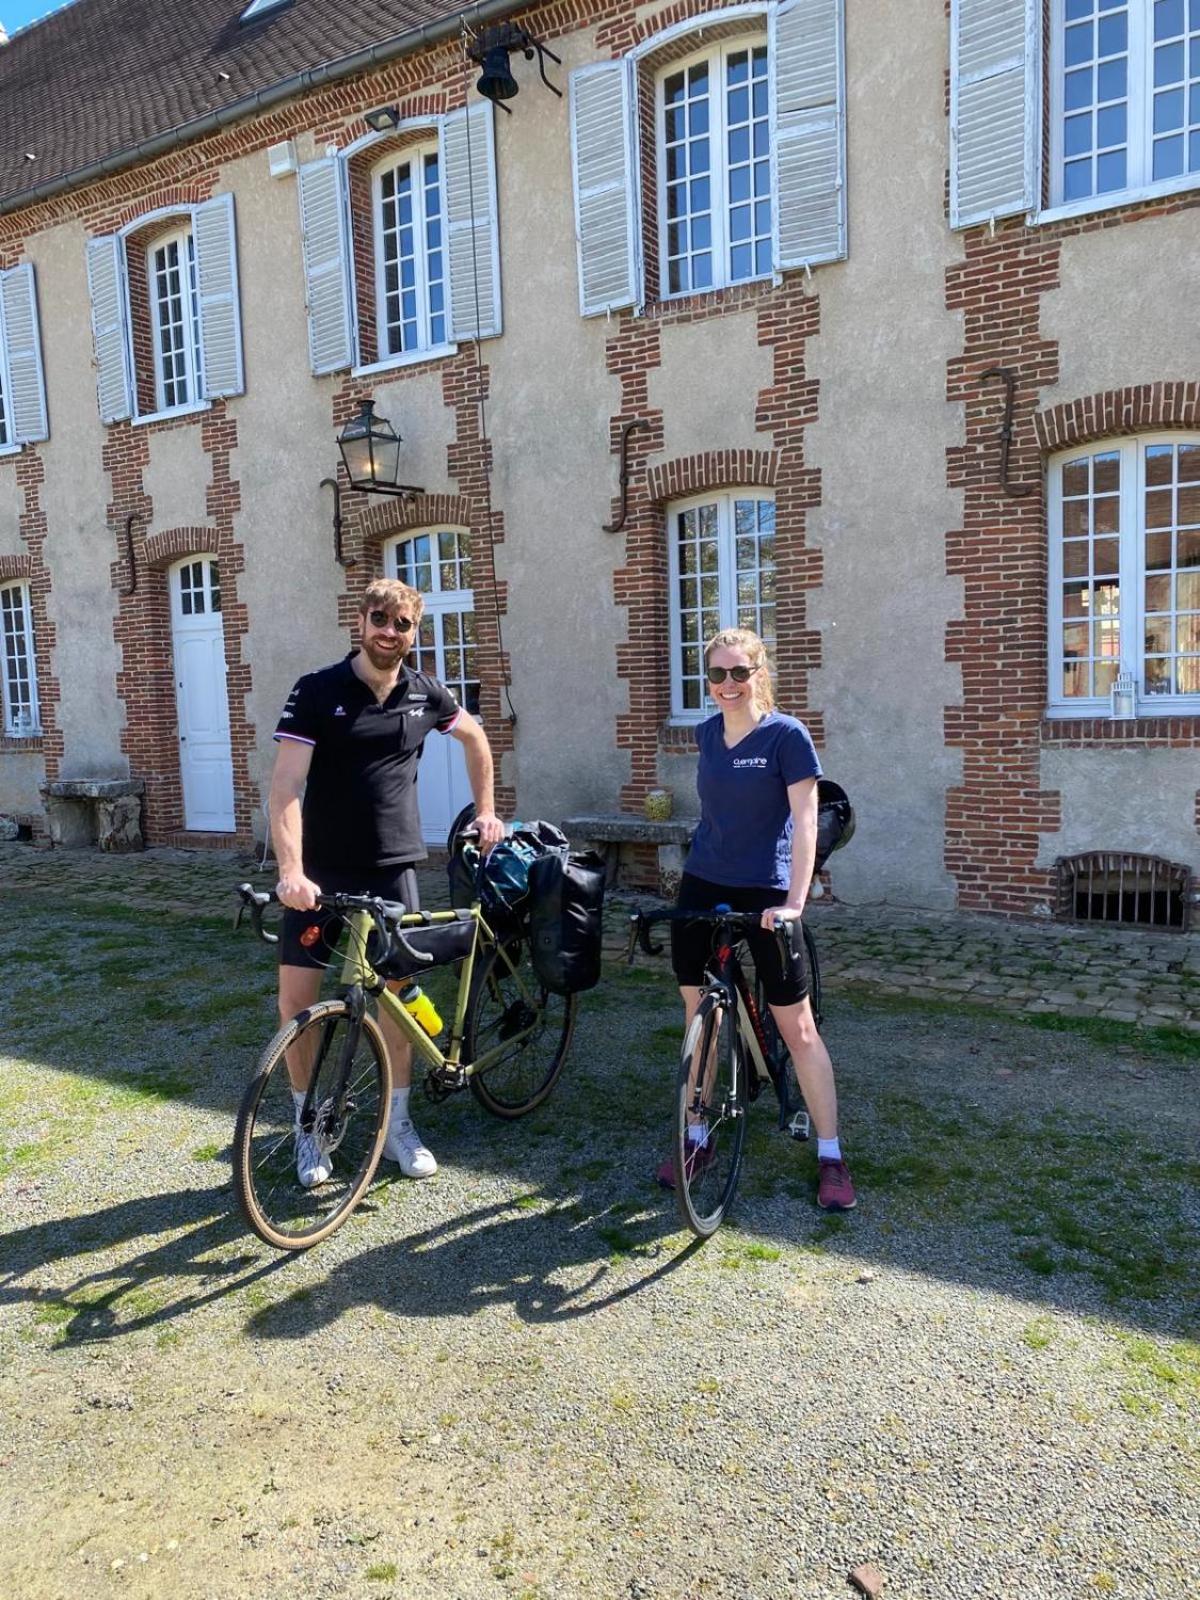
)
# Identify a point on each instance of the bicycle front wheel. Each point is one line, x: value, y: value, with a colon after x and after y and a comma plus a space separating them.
x: 349, y: 1126
x: 710, y: 1123
x: 527, y: 1028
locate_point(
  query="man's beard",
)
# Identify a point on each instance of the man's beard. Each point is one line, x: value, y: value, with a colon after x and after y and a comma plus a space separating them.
x: 382, y: 661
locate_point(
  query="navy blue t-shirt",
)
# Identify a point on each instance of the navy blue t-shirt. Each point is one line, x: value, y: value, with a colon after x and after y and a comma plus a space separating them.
x: 745, y: 832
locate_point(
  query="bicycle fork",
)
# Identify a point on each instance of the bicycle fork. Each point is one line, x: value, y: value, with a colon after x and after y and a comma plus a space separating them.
x: 328, y: 1119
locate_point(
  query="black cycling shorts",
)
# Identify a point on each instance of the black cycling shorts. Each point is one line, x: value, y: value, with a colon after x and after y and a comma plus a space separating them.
x: 692, y: 942
x: 309, y: 938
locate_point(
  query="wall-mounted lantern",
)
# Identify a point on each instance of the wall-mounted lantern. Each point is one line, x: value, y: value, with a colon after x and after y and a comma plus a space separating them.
x: 370, y: 449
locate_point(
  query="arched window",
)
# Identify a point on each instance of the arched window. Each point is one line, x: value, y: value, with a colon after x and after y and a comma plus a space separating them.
x: 721, y: 554
x: 1124, y: 564
x: 437, y: 563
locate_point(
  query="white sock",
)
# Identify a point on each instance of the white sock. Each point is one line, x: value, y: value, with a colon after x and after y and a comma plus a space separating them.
x: 829, y: 1150
x: 400, y: 1117
x: 298, y: 1098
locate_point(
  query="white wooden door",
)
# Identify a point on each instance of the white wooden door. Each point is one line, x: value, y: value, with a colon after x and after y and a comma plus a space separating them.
x: 438, y: 564
x: 202, y: 701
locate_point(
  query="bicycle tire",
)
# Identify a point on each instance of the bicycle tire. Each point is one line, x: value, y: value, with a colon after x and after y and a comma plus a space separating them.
x: 715, y: 1093
x: 521, y: 1079
x: 814, y: 973
x: 281, y: 1212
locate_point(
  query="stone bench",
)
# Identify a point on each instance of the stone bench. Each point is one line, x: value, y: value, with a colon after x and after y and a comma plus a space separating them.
x: 607, y: 832
x: 95, y: 811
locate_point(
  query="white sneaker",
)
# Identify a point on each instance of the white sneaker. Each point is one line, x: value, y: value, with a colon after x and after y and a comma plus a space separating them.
x: 313, y: 1165
x: 404, y: 1145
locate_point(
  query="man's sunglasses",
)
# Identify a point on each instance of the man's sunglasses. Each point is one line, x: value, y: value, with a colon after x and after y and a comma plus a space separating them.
x: 381, y: 620
x: 738, y: 674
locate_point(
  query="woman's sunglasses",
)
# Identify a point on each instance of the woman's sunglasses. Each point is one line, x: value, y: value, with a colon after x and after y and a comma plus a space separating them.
x: 738, y: 674
x: 381, y: 620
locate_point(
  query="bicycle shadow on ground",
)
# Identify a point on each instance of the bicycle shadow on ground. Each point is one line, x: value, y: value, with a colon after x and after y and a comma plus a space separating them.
x: 548, y: 1261
x: 154, y: 1284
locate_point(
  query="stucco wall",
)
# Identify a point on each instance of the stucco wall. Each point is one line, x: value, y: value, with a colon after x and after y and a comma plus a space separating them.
x: 177, y: 478
x: 1141, y: 800
x: 879, y: 443
x: 11, y: 501
x: 79, y: 546
x: 554, y: 475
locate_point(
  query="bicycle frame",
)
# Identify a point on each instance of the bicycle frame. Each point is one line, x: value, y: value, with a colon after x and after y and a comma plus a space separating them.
x: 727, y: 973
x: 357, y: 972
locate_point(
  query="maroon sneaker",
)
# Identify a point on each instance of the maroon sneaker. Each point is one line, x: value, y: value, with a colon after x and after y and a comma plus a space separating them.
x: 698, y: 1157
x: 835, y: 1192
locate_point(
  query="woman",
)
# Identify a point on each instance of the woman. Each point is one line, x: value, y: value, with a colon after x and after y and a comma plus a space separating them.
x: 754, y: 850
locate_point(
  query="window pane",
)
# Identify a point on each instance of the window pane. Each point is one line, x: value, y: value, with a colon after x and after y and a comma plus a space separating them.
x: 1157, y: 635
x: 1158, y: 594
x: 1075, y: 518
x: 1106, y: 473
x: 1111, y: 80
x: 1076, y: 599
x: 1159, y: 458
x: 1189, y: 549
x: 1188, y: 675
x: 1156, y: 677
x: 1110, y: 172
x: 1158, y: 508
x: 1168, y: 18
x: 1076, y: 681
x: 1106, y: 514
x: 1168, y: 64
x: 1189, y: 463
x: 1110, y: 126
x: 1075, y: 477
x: 1168, y: 111
x: 1077, y: 89
x: 1078, y: 43
x: 1158, y: 551
x: 1187, y: 506
x: 1075, y: 558
x: 1113, y: 33
x: 1168, y: 157
x: 1106, y: 558
x: 1187, y: 591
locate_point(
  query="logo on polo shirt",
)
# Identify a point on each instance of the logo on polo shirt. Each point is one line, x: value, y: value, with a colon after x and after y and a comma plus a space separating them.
x: 338, y: 711
x: 757, y: 763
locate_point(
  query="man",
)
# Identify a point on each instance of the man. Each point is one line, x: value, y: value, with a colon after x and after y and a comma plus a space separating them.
x: 349, y: 738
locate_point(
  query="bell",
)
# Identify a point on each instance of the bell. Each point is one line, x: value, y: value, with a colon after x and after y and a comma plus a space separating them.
x: 496, y: 81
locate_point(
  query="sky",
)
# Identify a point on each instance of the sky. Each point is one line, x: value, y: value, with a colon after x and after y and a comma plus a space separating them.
x: 16, y: 14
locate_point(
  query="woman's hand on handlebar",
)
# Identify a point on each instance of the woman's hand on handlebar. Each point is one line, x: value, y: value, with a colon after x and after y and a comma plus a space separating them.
x: 297, y: 892
x: 774, y: 914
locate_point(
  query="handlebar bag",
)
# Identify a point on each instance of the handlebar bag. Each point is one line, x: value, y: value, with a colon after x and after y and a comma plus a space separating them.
x: 445, y: 941
x: 566, y: 904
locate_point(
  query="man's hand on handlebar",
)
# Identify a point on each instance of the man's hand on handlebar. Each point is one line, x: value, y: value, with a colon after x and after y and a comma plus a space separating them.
x: 488, y: 829
x: 297, y: 892
x: 776, y: 914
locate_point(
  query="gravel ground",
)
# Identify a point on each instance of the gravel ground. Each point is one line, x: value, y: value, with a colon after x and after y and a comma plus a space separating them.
x: 521, y: 1379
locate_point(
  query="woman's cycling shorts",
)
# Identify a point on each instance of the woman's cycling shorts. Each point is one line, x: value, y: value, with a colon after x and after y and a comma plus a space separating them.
x: 692, y: 942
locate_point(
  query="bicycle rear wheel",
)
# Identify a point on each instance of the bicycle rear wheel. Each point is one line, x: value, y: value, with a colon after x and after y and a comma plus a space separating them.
x: 279, y: 1210
x: 711, y: 1097
x: 510, y: 1011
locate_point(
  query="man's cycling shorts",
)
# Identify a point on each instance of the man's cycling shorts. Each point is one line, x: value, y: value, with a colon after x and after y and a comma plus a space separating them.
x: 309, y: 938
x: 692, y: 942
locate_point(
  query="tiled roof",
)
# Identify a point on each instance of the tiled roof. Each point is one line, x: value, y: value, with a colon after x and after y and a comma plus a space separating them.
x: 96, y: 80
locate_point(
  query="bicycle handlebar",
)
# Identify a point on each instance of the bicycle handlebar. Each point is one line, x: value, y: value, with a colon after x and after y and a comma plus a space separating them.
x: 385, y: 914
x: 740, y: 921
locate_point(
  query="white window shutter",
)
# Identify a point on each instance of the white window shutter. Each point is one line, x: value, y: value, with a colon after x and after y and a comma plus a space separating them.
x: 808, y: 80
x: 604, y: 160
x: 472, y: 231
x: 995, y: 101
x: 327, y: 292
x: 23, y: 348
x: 106, y: 285
x: 217, y: 292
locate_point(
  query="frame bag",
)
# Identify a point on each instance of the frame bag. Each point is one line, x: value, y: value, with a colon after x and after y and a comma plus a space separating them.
x: 566, y: 898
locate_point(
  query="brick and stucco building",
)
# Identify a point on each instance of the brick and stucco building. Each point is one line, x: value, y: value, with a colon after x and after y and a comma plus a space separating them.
x: 902, y: 300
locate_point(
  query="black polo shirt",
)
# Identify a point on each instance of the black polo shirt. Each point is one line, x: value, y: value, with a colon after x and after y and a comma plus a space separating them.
x: 360, y: 802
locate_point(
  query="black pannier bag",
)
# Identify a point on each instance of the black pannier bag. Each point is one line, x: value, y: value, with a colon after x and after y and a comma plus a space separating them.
x: 445, y: 941
x: 566, y: 904
x: 501, y: 881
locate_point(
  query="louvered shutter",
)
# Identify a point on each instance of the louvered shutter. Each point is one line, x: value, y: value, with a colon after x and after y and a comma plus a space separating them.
x: 323, y: 227
x: 807, y: 51
x: 995, y: 99
x: 603, y: 156
x: 217, y: 292
x: 472, y: 232
x: 106, y: 285
x: 26, y: 395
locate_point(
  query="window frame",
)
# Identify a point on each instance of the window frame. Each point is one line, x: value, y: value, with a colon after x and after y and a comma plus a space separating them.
x: 1140, y: 102
x: 721, y: 245
x: 1131, y: 449
x: 725, y: 500
x: 8, y: 726
x: 414, y: 156
x: 183, y: 237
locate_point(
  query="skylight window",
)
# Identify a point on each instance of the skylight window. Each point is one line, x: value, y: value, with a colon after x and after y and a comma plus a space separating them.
x: 256, y: 8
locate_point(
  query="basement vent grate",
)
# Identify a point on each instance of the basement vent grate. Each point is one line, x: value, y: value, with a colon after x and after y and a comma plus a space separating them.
x: 1117, y: 887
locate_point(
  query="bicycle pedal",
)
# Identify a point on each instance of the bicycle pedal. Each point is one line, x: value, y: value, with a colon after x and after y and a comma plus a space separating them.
x: 800, y: 1127
x: 440, y: 1084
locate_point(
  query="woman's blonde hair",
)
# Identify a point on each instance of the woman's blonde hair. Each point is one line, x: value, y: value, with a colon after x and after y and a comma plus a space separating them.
x: 746, y: 639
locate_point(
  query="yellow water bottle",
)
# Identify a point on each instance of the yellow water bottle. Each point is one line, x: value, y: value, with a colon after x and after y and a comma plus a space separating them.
x: 422, y: 1009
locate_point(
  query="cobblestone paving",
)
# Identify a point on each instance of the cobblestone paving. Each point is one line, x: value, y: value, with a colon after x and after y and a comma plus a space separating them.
x: 1119, y: 975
